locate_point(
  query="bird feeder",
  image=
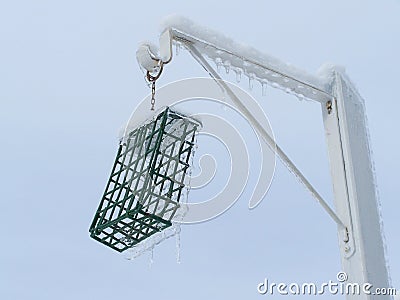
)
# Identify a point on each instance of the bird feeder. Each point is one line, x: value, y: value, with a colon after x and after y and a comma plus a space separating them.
x: 147, y: 180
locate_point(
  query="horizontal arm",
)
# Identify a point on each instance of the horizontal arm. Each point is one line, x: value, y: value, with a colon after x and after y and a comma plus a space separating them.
x: 243, y: 59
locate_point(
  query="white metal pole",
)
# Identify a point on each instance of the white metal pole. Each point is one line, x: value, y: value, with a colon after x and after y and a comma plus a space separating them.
x: 363, y: 257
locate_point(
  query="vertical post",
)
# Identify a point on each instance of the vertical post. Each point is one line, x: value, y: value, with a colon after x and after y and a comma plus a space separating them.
x: 362, y: 251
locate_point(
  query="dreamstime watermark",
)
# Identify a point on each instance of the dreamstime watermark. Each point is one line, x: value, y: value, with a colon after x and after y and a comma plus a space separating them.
x: 195, y: 93
x: 340, y: 286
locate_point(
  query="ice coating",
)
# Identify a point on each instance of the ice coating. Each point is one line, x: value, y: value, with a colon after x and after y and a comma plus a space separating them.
x: 265, y: 69
x: 373, y: 170
x: 146, y: 55
x: 151, y: 242
x: 229, y: 54
x: 362, y: 180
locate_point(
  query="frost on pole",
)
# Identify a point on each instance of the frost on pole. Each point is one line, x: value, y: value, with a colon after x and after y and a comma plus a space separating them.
x: 146, y: 182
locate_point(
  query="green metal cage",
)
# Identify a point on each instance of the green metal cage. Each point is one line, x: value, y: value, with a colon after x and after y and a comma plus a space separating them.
x: 146, y: 182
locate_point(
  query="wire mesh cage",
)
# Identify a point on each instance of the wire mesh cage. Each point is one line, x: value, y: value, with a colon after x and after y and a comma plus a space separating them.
x: 146, y: 182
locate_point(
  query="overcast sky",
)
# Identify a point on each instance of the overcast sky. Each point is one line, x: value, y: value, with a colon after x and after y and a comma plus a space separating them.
x: 68, y: 82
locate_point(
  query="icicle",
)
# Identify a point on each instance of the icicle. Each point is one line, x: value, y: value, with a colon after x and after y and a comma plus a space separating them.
x: 177, y: 48
x: 264, y: 88
x: 238, y: 73
x: 151, y: 257
x: 178, y: 247
x: 227, y: 66
x: 218, y: 62
x: 251, y: 78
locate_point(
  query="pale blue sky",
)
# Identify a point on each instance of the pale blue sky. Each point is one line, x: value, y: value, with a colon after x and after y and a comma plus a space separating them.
x: 69, y: 80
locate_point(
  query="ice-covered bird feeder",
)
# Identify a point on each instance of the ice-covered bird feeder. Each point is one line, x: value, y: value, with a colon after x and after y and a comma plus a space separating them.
x: 143, y: 192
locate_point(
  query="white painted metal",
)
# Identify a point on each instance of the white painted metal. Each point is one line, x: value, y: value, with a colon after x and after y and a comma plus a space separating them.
x: 354, y: 189
x: 166, y: 46
x: 299, y: 82
x: 362, y: 251
x: 266, y: 137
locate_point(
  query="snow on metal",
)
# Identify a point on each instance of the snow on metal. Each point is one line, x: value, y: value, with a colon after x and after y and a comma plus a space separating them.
x: 362, y: 249
x: 246, y: 60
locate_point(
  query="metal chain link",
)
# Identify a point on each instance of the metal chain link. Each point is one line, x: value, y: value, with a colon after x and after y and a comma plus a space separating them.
x: 153, y: 94
x: 152, y: 79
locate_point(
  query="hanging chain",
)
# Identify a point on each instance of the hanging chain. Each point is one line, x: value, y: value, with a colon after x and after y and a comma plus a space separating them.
x: 152, y: 80
x: 153, y: 94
